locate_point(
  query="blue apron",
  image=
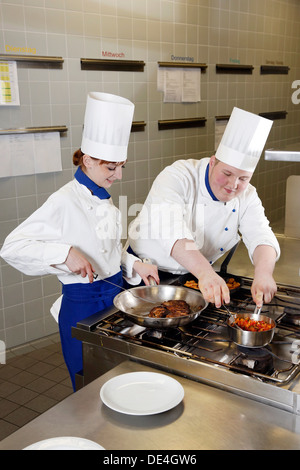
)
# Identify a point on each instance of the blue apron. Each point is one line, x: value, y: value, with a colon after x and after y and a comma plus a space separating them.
x: 82, y: 300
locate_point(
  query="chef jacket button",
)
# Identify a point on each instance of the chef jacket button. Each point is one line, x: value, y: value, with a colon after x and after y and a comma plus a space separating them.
x: 233, y: 210
x: 103, y: 250
x: 108, y: 272
x: 89, y: 208
x: 226, y: 229
x: 221, y: 249
x: 210, y: 262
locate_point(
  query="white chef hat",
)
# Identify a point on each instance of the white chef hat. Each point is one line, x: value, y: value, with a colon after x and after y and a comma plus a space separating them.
x: 243, y: 140
x: 107, y: 126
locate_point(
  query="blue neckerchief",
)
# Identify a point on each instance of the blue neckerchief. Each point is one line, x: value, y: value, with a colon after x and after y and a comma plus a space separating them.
x: 82, y: 178
x: 208, y: 185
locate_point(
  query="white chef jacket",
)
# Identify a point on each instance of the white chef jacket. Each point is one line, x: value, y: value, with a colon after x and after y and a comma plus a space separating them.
x: 71, y: 216
x: 180, y: 205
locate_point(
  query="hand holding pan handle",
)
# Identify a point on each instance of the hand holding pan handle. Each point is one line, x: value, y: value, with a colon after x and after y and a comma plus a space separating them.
x: 151, y: 280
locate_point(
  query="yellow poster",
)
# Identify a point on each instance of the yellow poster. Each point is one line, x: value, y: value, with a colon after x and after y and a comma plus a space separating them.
x: 9, y: 89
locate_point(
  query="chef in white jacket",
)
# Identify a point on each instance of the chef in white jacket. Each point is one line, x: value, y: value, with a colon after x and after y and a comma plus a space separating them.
x: 197, y: 209
x: 76, y: 234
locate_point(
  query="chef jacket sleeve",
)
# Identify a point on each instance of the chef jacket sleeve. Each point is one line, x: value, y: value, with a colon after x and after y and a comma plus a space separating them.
x: 167, y: 209
x: 35, y: 246
x: 129, y: 274
x: 254, y: 225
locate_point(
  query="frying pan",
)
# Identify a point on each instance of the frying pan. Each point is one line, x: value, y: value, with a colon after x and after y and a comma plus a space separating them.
x: 222, y: 273
x: 250, y: 339
x: 137, y: 306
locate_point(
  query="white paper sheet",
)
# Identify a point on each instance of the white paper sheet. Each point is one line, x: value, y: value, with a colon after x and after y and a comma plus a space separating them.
x: 172, y: 86
x: 191, y: 85
x: 9, y: 88
x: 220, y: 125
x: 27, y: 154
x: 179, y: 84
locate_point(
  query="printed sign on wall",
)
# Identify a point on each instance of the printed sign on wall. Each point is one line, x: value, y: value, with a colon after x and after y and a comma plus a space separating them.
x: 9, y: 88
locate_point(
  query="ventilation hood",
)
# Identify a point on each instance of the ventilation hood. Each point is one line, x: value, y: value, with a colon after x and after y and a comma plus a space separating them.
x: 288, y: 153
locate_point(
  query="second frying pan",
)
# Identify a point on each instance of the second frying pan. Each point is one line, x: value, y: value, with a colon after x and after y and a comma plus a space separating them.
x: 223, y: 272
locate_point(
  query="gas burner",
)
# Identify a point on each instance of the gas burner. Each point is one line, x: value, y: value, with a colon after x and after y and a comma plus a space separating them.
x: 291, y: 308
x: 256, y: 359
x: 152, y: 334
x: 292, y: 317
x: 164, y: 338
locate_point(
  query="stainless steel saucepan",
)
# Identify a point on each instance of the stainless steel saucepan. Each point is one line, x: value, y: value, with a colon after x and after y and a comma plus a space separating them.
x: 137, y: 302
x: 250, y: 339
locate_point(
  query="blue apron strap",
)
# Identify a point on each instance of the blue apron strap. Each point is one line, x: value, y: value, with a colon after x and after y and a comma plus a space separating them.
x: 130, y: 250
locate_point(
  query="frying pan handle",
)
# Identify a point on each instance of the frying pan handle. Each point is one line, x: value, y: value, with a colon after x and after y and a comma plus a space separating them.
x: 151, y: 279
x: 225, y: 263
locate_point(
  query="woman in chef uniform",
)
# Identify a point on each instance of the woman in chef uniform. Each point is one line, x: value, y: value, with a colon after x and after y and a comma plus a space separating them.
x: 196, y: 209
x: 76, y: 234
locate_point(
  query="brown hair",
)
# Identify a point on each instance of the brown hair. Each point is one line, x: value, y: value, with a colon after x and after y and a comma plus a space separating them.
x: 78, y: 159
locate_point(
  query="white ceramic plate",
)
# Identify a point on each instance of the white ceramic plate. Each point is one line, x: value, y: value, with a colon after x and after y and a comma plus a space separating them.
x: 65, y: 443
x: 141, y: 393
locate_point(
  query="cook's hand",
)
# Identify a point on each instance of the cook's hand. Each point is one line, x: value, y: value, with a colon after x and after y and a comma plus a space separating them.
x: 146, y: 270
x: 78, y: 264
x: 214, y: 289
x: 263, y: 288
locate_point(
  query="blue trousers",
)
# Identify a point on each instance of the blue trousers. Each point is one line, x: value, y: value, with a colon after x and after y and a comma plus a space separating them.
x: 80, y: 301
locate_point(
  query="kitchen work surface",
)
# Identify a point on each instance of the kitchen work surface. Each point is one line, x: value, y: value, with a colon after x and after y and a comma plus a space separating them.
x: 287, y: 269
x: 206, y: 418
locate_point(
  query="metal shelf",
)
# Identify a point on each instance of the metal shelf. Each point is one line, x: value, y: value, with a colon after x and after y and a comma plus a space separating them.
x: 115, y: 65
x: 222, y: 117
x: 274, y: 69
x: 33, y: 130
x: 138, y: 126
x: 181, y: 123
x: 289, y: 153
x: 50, y: 60
x: 234, y: 68
x: 273, y: 115
x: 203, y: 67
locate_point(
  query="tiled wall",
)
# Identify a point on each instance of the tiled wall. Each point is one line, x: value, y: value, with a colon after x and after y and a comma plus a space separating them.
x: 211, y: 31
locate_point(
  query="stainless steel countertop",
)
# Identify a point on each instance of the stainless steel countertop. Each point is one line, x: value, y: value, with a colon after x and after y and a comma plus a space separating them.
x: 207, y: 418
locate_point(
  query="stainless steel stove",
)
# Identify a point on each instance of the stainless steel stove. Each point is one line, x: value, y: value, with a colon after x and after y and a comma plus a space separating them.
x: 202, y: 350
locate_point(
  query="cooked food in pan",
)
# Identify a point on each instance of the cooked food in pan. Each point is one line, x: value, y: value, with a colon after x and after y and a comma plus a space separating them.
x: 158, y: 312
x: 231, y: 284
x: 249, y: 324
x: 170, y: 308
x: 193, y: 284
